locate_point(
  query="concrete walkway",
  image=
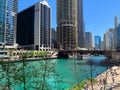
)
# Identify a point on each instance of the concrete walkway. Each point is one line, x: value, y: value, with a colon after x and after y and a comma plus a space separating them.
x: 108, y: 80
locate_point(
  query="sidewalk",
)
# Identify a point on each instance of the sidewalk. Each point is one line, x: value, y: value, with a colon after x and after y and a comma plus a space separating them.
x: 111, y: 81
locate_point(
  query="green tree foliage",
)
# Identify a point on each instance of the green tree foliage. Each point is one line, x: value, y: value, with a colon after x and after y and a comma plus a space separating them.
x: 78, y: 86
x: 41, y: 53
x: 31, y: 54
x: 29, y: 75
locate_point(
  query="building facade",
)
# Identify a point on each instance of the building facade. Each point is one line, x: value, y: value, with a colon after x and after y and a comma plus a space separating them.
x: 97, y: 43
x: 106, y: 41
x: 11, y: 21
x: 2, y: 20
x: 8, y: 19
x: 53, y: 39
x: 34, y: 27
x: 67, y: 28
x: 109, y: 39
x: 88, y: 40
x: 81, y: 32
x: 102, y: 45
x: 115, y: 32
x: 25, y: 27
x: 116, y: 21
x: 118, y: 37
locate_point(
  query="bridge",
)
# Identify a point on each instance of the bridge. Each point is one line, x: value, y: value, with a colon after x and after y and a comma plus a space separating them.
x: 65, y: 53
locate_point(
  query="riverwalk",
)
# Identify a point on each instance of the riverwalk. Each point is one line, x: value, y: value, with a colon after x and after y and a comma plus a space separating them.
x: 108, y: 80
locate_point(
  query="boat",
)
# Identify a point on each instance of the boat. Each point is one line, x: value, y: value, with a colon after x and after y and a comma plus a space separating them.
x: 85, y: 56
x: 79, y: 56
x: 4, y: 54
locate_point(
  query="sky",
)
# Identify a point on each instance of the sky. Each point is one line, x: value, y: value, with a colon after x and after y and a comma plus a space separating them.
x: 98, y: 14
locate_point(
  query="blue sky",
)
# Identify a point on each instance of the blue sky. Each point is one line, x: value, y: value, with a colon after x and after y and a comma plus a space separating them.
x: 98, y: 14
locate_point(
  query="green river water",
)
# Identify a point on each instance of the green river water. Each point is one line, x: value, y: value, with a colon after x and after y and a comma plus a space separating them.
x: 54, y: 74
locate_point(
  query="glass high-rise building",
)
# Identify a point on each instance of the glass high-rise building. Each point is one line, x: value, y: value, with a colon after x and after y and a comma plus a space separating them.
x: 8, y: 18
x: 11, y: 21
x: 88, y: 40
x: 53, y: 38
x: 2, y: 20
x: 81, y: 32
x: 67, y: 28
x: 97, y: 42
x: 115, y: 31
x: 118, y: 37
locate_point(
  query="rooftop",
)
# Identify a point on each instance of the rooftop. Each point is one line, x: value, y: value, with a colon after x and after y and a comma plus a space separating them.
x: 45, y: 3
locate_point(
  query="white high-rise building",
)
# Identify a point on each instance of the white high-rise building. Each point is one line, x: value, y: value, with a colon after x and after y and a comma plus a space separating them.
x: 109, y: 40
x: 34, y: 24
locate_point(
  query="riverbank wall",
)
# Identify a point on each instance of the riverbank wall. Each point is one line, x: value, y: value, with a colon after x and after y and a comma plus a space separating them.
x: 115, y: 56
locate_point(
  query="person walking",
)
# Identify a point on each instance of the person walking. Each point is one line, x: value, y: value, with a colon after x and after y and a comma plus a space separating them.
x: 101, y: 88
x: 113, y: 79
x: 100, y: 81
x: 110, y: 88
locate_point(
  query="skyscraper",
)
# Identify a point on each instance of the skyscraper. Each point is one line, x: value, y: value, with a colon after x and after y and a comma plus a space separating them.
x: 115, y: 32
x: 97, y: 42
x: 81, y: 32
x: 106, y: 41
x: 2, y: 20
x: 11, y: 21
x: 116, y: 21
x: 53, y: 38
x: 88, y: 40
x: 67, y: 28
x: 34, y: 27
x: 8, y: 17
x: 109, y: 39
x: 118, y: 37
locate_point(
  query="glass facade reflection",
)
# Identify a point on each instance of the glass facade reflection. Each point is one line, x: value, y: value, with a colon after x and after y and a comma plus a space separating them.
x: 25, y: 27
x: 8, y: 10
x: 2, y: 20
x: 97, y: 42
x: 11, y: 18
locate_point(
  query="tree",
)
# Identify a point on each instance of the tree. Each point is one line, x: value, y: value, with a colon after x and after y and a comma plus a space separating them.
x: 30, y: 75
x: 89, y: 69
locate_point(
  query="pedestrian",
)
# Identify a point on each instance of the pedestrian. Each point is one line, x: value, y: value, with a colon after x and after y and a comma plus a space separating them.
x: 86, y: 87
x: 113, y: 79
x: 112, y: 73
x: 104, y: 81
x: 110, y: 88
x: 100, y: 81
x: 101, y: 88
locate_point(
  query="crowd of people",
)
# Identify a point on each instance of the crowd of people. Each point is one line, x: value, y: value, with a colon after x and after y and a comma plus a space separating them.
x: 108, y: 79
